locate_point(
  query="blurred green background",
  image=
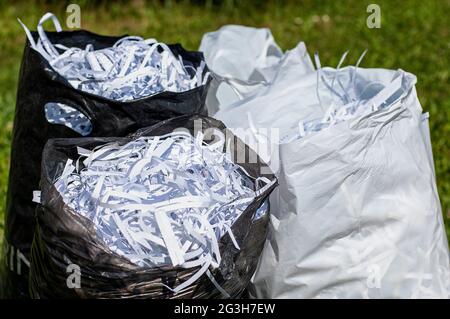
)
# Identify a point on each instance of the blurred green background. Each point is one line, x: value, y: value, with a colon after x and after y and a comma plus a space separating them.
x: 414, y: 36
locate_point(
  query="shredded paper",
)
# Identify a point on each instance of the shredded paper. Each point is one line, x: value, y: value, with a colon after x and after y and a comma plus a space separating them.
x: 345, y: 100
x: 132, y: 68
x: 163, y: 200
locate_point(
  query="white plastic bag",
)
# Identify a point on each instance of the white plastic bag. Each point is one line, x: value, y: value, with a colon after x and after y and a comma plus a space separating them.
x: 356, y: 214
x: 243, y: 60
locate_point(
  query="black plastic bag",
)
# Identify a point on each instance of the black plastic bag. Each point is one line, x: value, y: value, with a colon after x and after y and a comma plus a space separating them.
x: 64, y: 237
x: 38, y: 85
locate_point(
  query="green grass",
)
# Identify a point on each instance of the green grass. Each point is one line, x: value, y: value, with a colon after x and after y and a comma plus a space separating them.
x: 414, y: 36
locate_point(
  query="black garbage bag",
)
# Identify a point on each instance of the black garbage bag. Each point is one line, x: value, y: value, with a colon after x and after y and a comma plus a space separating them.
x: 38, y: 85
x: 64, y: 237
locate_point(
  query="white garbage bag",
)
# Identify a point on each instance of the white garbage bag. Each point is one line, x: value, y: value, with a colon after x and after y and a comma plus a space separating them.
x: 356, y: 213
x: 243, y: 61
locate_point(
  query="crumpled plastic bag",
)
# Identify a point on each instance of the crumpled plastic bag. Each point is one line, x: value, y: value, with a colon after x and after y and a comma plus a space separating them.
x: 244, y: 60
x: 357, y: 213
x: 64, y: 237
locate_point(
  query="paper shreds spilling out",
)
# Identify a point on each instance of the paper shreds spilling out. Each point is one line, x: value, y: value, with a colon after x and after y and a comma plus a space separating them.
x: 160, y: 200
x: 132, y: 68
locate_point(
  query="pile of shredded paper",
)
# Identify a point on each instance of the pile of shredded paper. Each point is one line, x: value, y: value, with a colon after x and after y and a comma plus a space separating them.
x: 132, y: 68
x: 163, y: 200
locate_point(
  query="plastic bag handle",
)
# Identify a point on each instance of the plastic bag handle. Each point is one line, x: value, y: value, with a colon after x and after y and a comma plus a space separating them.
x: 69, y: 109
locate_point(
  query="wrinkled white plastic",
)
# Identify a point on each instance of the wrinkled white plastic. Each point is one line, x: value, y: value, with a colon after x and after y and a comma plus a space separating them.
x: 356, y: 213
x: 243, y: 60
